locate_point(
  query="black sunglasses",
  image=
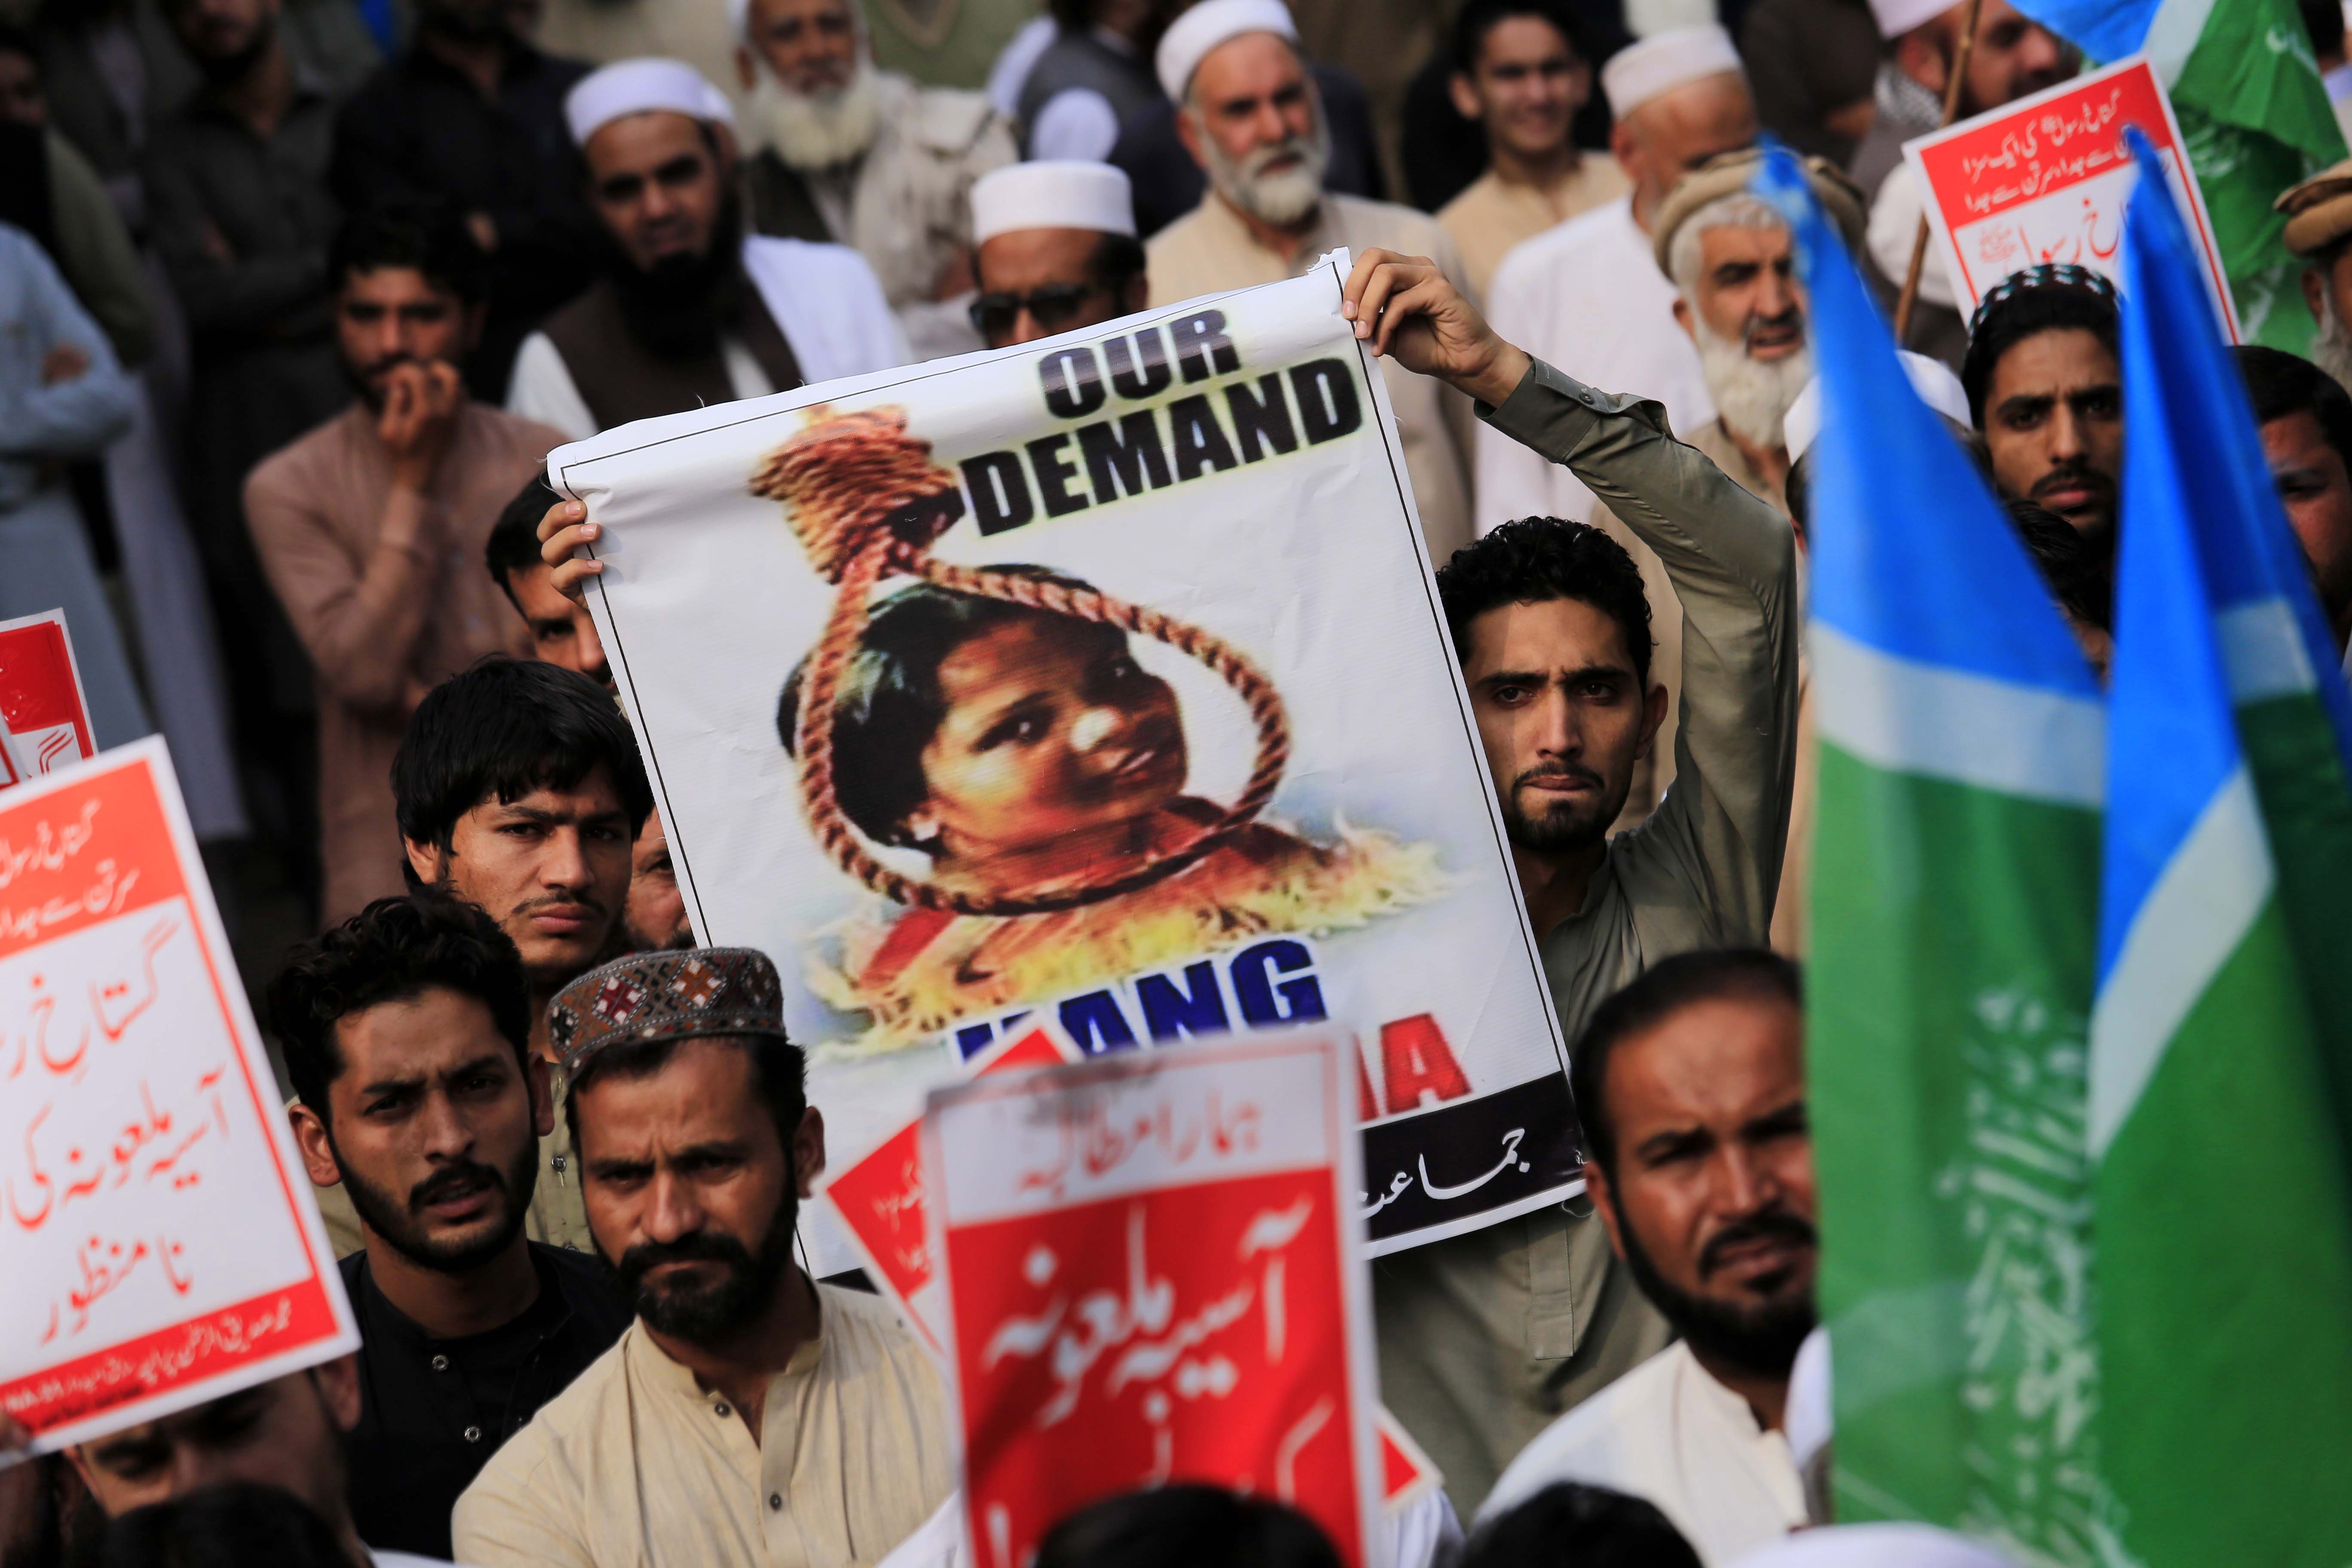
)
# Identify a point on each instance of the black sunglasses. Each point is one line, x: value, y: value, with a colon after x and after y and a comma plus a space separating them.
x: 1052, y: 306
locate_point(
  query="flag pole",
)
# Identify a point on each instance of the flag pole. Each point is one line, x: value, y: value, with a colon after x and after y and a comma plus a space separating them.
x: 1910, y: 295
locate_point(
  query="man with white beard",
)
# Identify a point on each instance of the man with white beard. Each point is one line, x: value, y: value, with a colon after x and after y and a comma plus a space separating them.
x: 1252, y: 118
x: 844, y: 151
x: 1732, y: 261
x: 2319, y: 230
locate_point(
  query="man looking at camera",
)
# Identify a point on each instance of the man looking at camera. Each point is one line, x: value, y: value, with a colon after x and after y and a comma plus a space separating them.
x: 407, y: 1036
x: 372, y: 526
x: 750, y: 1415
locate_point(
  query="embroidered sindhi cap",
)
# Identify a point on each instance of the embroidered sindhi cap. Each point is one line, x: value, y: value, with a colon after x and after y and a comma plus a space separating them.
x: 2318, y: 211
x: 671, y: 995
x: 2052, y: 296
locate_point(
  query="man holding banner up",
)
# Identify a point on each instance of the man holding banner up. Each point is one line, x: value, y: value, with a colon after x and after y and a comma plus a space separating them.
x: 1486, y: 1337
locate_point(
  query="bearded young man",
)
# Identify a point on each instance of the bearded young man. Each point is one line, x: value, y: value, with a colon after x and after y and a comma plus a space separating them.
x: 1691, y: 1084
x: 750, y: 1415
x: 849, y: 152
x: 1252, y: 117
x: 689, y: 311
x: 407, y: 1036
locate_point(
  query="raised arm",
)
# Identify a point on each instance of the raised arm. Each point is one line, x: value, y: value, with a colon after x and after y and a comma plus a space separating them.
x: 1732, y: 558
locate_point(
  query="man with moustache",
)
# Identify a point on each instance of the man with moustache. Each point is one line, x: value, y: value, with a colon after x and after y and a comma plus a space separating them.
x: 1690, y: 1083
x: 689, y: 311
x: 370, y: 526
x: 2045, y: 390
x: 2319, y: 232
x: 1056, y: 250
x: 1252, y: 117
x: 848, y: 151
x: 750, y: 1415
x: 406, y: 1033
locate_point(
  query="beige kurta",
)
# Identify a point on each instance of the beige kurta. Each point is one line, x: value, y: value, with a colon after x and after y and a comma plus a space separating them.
x: 380, y: 636
x: 1486, y: 1339
x: 637, y: 1466
x: 1210, y: 250
x: 1494, y: 214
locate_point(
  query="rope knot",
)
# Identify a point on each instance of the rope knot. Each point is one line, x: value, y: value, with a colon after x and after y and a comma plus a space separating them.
x: 854, y: 482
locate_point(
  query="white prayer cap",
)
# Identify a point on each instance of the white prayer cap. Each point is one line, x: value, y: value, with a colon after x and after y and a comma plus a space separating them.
x: 1875, y: 1546
x: 1896, y: 17
x: 636, y: 87
x: 1932, y: 379
x: 1805, y: 1418
x: 1066, y: 193
x: 716, y: 109
x: 1657, y: 65
x: 1187, y: 43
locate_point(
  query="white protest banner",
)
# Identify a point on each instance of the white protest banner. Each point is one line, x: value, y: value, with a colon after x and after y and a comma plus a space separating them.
x: 1106, y: 676
x: 2046, y: 179
x: 159, y: 1236
x: 41, y: 700
x: 1151, y: 1272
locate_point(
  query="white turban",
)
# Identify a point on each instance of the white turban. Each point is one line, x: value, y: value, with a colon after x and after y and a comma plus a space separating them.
x: 1665, y: 61
x: 1932, y: 379
x: 1875, y: 1546
x: 1052, y: 193
x: 1896, y: 17
x: 638, y: 87
x: 1213, y: 21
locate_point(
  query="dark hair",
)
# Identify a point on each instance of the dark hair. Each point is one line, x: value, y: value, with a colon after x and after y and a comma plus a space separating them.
x: 2281, y: 384
x: 2079, y: 575
x: 1665, y: 988
x: 231, y: 1524
x: 17, y: 40
x: 504, y: 728
x: 1481, y: 17
x: 392, y: 951
x: 1118, y: 262
x: 1590, y: 1526
x: 2003, y: 324
x: 2324, y: 20
x: 513, y: 544
x: 1184, y: 1525
x: 779, y: 1074
x: 887, y: 706
x: 1798, y: 489
x: 1536, y: 559
x: 417, y: 232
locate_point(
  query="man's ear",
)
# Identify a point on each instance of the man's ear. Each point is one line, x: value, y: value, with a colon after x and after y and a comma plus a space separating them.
x: 1596, y: 1183
x: 1654, y: 713
x: 1188, y: 131
x: 338, y: 1382
x: 1465, y: 96
x: 477, y: 318
x: 808, y: 1152
x: 317, y: 1146
x: 1136, y: 295
x: 1684, y: 320
x: 426, y: 860
x: 2314, y: 292
x: 537, y: 1074
x: 1924, y: 54
x: 745, y: 71
x: 1626, y: 148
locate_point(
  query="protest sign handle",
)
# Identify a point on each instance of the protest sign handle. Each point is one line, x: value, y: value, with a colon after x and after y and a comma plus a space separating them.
x: 866, y: 499
x: 1910, y: 295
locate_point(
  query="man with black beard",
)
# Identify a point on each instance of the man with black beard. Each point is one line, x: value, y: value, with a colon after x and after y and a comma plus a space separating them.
x: 689, y: 311
x: 406, y: 1032
x: 1691, y: 1082
x: 751, y: 1416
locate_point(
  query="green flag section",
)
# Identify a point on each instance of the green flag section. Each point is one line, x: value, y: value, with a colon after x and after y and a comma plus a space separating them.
x: 1954, y: 897
x: 2246, y: 90
x: 2219, y: 1042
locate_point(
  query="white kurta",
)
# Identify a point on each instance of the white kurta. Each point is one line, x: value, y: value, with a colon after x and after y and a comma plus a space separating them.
x: 1587, y: 297
x: 824, y: 298
x: 1668, y: 1432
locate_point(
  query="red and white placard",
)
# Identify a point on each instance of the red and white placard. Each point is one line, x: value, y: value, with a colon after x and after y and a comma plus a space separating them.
x: 880, y: 1197
x: 157, y: 1232
x: 1151, y: 1265
x: 2046, y: 179
x: 41, y: 701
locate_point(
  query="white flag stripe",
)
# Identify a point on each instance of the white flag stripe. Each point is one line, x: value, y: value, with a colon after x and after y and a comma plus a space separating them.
x: 2190, y: 922
x: 1913, y: 717
x: 2172, y: 36
x: 2263, y: 651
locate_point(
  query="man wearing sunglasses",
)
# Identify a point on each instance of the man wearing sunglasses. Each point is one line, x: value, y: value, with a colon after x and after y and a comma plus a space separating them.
x: 1056, y: 250
x: 691, y: 311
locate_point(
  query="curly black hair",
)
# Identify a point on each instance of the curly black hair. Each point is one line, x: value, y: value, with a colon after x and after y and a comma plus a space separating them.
x: 1536, y: 559
x: 506, y: 727
x: 392, y: 951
